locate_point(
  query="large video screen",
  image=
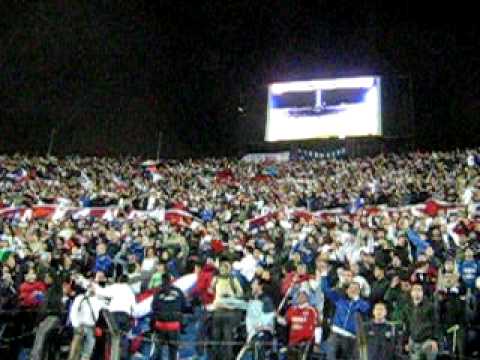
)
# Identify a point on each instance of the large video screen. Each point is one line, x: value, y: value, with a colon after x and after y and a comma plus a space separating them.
x: 324, y: 108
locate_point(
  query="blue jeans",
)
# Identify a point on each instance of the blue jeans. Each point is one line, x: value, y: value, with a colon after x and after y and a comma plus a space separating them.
x: 123, y: 322
x: 88, y: 341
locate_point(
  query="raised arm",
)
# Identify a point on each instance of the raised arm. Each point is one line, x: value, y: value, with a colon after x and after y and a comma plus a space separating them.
x: 327, y: 290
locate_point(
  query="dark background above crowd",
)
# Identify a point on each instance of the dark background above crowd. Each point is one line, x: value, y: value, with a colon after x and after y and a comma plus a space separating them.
x: 110, y: 75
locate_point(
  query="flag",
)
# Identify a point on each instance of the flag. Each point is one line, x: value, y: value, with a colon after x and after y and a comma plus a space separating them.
x: 303, y: 214
x: 143, y: 307
x: 224, y: 176
x: 12, y: 213
x: 43, y: 211
x: 18, y: 176
x: 261, y: 220
x: 432, y: 208
x: 178, y: 217
x: 316, y: 154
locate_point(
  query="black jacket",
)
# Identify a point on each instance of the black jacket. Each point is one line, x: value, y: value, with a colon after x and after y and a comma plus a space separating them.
x: 381, y: 340
x: 378, y: 290
x: 421, y: 321
x: 168, y: 304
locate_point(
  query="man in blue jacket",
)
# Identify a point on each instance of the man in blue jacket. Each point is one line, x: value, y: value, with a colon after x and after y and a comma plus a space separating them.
x: 342, y: 341
x: 103, y: 262
x: 469, y: 269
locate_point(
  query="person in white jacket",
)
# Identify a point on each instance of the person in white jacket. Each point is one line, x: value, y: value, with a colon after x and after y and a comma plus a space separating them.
x: 246, y: 267
x: 121, y: 304
x: 83, y: 315
x: 121, y: 298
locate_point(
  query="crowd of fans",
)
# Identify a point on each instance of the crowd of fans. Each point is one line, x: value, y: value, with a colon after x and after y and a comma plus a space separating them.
x: 371, y: 257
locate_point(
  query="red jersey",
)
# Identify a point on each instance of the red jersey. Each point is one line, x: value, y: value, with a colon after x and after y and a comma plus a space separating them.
x: 302, y: 322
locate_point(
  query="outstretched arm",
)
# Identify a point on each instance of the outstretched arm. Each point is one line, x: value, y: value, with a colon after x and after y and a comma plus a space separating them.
x: 327, y: 290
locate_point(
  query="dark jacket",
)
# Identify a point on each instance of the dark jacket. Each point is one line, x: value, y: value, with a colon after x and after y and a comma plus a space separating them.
x: 451, y: 307
x: 421, y: 322
x: 397, y: 303
x: 168, y: 304
x: 381, y: 340
x: 379, y: 287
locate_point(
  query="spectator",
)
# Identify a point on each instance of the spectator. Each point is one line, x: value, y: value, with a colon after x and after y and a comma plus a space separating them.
x: 469, y: 269
x: 252, y: 221
x: 168, y: 306
x: 32, y: 291
x: 381, y: 336
x: 380, y: 285
x: 342, y: 339
x: 421, y: 323
x: 103, y: 262
x: 302, y: 321
x: 84, y: 314
x: 226, y: 287
x: 121, y: 303
x: 452, y: 317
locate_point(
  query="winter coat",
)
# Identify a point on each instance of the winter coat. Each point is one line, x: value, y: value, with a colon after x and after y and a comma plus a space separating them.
x: 397, y: 302
x: 345, y: 309
x: 260, y: 315
x: 451, y: 307
x: 421, y: 322
x: 380, y: 339
x: 378, y: 290
x: 168, y: 304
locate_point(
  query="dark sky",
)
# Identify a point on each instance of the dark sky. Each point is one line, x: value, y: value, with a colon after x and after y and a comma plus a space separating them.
x: 109, y: 75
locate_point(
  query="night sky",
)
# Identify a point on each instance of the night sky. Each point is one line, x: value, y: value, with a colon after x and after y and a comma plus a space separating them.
x: 109, y: 75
